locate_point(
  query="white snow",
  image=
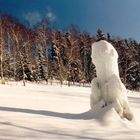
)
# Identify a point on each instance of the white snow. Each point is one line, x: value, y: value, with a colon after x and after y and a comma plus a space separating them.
x: 44, y: 112
x: 108, y: 86
x: 105, y: 58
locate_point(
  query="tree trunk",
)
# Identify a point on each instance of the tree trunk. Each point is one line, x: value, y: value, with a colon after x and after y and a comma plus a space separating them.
x: 1, y: 53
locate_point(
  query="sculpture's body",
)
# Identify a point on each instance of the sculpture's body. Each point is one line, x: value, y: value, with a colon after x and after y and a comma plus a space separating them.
x: 108, y: 86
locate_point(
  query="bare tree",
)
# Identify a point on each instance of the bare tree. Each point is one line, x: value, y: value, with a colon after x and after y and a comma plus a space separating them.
x: 1, y: 51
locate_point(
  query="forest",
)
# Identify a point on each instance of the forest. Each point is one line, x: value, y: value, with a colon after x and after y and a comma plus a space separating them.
x: 44, y: 53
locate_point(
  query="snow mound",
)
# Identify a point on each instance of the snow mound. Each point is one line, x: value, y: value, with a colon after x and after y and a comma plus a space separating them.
x: 107, y: 115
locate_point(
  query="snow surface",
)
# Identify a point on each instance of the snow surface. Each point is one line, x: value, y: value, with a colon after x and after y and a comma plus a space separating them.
x: 44, y: 112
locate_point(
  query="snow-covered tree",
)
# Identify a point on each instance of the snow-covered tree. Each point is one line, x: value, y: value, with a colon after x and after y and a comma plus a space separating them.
x: 107, y: 87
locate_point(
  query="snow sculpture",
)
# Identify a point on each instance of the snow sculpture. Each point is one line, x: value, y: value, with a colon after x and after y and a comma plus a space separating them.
x: 107, y: 87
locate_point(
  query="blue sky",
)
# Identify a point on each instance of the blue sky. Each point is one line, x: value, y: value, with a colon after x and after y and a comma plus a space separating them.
x: 119, y: 17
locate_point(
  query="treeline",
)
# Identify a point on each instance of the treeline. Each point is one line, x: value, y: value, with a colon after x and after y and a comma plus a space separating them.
x: 42, y: 53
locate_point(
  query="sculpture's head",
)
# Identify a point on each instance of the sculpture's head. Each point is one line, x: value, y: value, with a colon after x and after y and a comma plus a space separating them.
x: 103, y: 51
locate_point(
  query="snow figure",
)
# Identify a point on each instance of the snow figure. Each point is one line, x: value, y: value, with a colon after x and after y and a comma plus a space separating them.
x: 107, y: 87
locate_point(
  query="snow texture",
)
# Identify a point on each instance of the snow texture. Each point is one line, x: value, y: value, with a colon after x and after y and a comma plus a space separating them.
x: 44, y: 112
x: 107, y: 87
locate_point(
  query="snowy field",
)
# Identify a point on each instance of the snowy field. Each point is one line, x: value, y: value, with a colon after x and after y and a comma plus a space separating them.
x: 40, y: 112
